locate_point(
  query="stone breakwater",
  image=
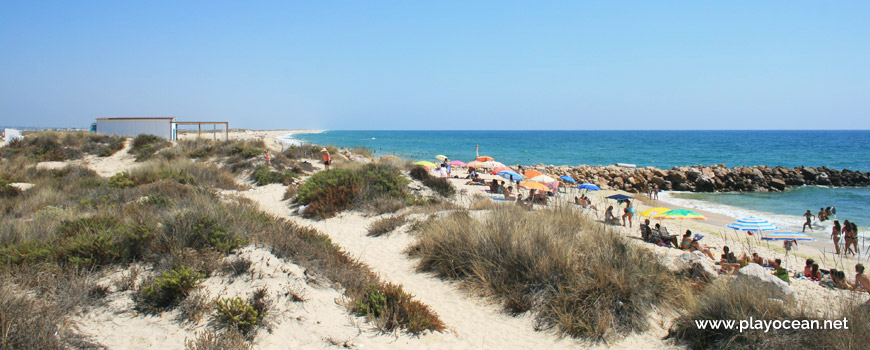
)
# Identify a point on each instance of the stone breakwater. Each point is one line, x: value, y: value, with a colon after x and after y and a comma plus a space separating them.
x: 708, y: 178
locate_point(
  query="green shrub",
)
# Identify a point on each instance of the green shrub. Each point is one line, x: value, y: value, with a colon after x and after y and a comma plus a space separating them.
x: 217, y: 236
x: 228, y: 339
x: 168, y: 289
x: 264, y: 175
x: 121, y: 180
x: 329, y: 192
x: 391, y: 308
x: 437, y: 184
x: 115, y: 144
x: 303, y: 151
x: 243, y: 315
x: 144, y: 146
x: 25, y: 253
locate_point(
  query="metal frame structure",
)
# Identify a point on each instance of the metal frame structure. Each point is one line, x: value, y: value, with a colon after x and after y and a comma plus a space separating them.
x: 214, y: 128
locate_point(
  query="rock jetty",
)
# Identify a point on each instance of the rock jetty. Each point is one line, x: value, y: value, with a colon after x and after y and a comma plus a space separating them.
x: 713, y: 178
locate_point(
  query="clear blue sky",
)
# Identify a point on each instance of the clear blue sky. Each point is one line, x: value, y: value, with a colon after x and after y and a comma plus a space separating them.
x: 440, y: 64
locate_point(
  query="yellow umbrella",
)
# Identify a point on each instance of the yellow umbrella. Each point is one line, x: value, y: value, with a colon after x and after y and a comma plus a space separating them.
x: 654, y: 212
x: 534, y: 186
x: 425, y: 163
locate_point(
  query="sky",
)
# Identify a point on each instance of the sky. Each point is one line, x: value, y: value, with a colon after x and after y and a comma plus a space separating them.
x: 365, y: 65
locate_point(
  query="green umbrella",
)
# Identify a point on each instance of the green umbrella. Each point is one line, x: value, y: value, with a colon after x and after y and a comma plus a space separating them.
x: 682, y: 214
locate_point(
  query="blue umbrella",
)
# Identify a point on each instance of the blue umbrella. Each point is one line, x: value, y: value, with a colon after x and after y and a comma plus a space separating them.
x: 510, y: 175
x: 589, y: 186
x: 619, y: 197
x: 788, y: 236
x: 752, y: 224
x: 568, y: 179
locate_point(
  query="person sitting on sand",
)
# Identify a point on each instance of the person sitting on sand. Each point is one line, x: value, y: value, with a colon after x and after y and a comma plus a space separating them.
x: 838, y: 279
x: 728, y: 263
x: 609, y: 218
x: 493, y: 186
x: 525, y: 204
x: 508, y: 193
x: 815, y: 274
x: 668, y: 239
x: 764, y: 262
x: 808, y: 269
x: 577, y: 201
x: 686, y: 243
x: 809, y: 222
x: 703, y: 248
x: 862, y: 282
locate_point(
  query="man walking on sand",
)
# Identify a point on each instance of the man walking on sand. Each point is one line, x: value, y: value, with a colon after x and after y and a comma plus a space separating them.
x: 327, y: 160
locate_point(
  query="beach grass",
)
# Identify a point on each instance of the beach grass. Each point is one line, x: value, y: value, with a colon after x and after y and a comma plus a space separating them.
x: 571, y: 273
x: 57, y: 237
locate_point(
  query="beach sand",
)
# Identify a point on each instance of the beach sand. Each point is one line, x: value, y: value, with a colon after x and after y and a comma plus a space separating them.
x: 272, y: 138
x: 473, y: 321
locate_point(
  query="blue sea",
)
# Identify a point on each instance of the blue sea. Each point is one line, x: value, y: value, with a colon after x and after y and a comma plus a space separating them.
x: 843, y: 149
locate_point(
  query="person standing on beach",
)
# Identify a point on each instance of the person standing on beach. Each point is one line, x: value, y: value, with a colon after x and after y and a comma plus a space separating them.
x: 327, y: 160
x: 809, y: 222
x: 847, y: 237
x: 628, y: 213
x: 854, y: 231
x: 656, y: 192
x: 268, y: 157
x: 835, y: 235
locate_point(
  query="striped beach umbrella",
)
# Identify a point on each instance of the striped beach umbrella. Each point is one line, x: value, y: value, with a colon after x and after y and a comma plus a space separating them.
x: 531, y: 173
x: 682, y: 214
x: 654, y: 212
x: 787, y: 236
x: 752, y: 223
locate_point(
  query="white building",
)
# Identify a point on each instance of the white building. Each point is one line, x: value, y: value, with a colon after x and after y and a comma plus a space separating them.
x: 164, y: 127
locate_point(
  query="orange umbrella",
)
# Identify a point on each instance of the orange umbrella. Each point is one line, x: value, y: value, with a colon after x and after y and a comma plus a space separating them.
x: 500, y: 169
x: 485, y: 159
x: 532, y: 173
x: 534, y: 186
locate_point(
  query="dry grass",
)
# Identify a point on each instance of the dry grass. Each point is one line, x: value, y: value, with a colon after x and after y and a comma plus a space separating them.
x: 739, y: 300
x: 571, y: 272
x: 386, y: 225
x: 228, y: 339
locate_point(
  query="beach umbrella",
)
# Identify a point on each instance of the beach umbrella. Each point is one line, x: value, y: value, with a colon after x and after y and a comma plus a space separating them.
x: 590, y: 187
x: 485, y: 159
x: 534, y: 185
x: 543, y: 179
x: 654, y: 212
x: 532, y: 173
x: 617, y: 196
x: 441, y: 157
x: 752, y: 223
x: 568, y: 179
x: 425, y: 163
x: 510, y: 175
x: 682, y: 214
x: 458, y: 163
x: 491, y: 164
x: 787, y: 236
x: 500, y: 169
x: 473, y: 164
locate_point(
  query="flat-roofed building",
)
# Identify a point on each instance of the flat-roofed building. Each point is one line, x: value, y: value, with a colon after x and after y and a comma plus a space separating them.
x: 158, y: 126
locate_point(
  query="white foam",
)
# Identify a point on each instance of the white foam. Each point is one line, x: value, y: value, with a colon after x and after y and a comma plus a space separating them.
x: 821, y: 230
x: 288, y: 140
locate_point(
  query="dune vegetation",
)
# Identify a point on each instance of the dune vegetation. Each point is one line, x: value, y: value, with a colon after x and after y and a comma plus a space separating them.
x: 168, y: 215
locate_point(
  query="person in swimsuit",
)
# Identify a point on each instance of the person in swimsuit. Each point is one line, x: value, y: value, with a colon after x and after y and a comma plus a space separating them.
x: 835, y: 235
x: 822, y: 216
x: 656, y: 192
x: 327, y: 160
x: 687, y: 241
x: 628, y: 213
x: 809, y: 222
x: 862, y: 282
x: 268, y: 157
x: 854, y: 231
x: 847, y: 237
x: 729, y: 262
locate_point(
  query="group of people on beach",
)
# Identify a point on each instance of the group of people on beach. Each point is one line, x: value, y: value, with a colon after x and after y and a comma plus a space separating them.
x: 848, y: 230
x: 627, y: 214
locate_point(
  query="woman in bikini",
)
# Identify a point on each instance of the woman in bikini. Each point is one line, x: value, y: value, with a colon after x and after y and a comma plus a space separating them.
x: 686, y: 244
x: 847, y: 236
x: 835, y: 235
x: 854, y: 231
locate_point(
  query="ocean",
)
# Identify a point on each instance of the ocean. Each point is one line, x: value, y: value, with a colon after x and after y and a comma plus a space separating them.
x: 841, y: 149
